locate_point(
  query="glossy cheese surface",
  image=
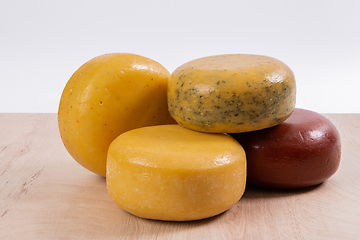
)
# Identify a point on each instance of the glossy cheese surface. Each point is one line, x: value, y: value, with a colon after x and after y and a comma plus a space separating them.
x: 172, y: 173
x: 303, y: 151
x: 231, y: 93
x: 106, y: 96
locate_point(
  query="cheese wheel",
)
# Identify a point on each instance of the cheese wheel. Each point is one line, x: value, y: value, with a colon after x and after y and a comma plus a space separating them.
x: 106, y: 96
x: 303, y: 151
x: 231, y: 93
x: 172, y: 173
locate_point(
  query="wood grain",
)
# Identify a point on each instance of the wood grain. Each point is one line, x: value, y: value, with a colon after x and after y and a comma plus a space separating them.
x: 45, y: 194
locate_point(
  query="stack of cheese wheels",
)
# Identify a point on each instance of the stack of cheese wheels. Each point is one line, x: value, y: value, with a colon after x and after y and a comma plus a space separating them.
x: 252, y: 97
x: 186, y: 172
x: 126, y: 107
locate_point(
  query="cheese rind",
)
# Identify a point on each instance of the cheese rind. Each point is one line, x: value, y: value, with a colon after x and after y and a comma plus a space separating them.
x: 106, y: 96
x: 172, y: 173
x: 303, y: 151
x: 231, y: 93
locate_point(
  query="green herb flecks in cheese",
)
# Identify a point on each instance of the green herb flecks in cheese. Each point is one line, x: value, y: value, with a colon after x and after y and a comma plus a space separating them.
x: 231, y: 93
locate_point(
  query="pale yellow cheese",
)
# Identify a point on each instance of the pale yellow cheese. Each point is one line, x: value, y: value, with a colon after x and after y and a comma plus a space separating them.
x: 106, y: 96
x: 231, y: 93
x: 169, y: 172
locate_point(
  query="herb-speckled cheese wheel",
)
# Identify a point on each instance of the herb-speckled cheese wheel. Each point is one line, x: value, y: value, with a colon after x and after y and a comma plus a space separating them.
x: 231, y: 93
x: 172, y: 173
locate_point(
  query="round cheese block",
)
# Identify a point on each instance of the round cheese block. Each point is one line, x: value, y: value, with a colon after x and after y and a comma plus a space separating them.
x: 303, y: 151
x: 106, y: 96
x: 172, y: 173
x: 231, y: 93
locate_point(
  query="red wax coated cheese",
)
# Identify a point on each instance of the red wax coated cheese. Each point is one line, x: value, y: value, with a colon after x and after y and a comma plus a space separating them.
x: 303, y: 151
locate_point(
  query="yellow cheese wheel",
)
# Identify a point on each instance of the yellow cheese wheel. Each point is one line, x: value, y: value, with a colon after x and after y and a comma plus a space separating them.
x: 231, y: 93
x: 172, y: 173
x: 106, y: 96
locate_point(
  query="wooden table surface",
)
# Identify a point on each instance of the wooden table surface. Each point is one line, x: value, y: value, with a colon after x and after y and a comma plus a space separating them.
x: 45, y: 194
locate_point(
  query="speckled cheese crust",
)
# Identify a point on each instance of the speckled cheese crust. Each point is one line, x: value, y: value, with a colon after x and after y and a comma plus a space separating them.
x: 108, y: 95
x: 231, y: 93
x: 172, y: 173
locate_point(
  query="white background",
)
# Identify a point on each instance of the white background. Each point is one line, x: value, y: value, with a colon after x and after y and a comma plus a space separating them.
x: 42, y: 43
